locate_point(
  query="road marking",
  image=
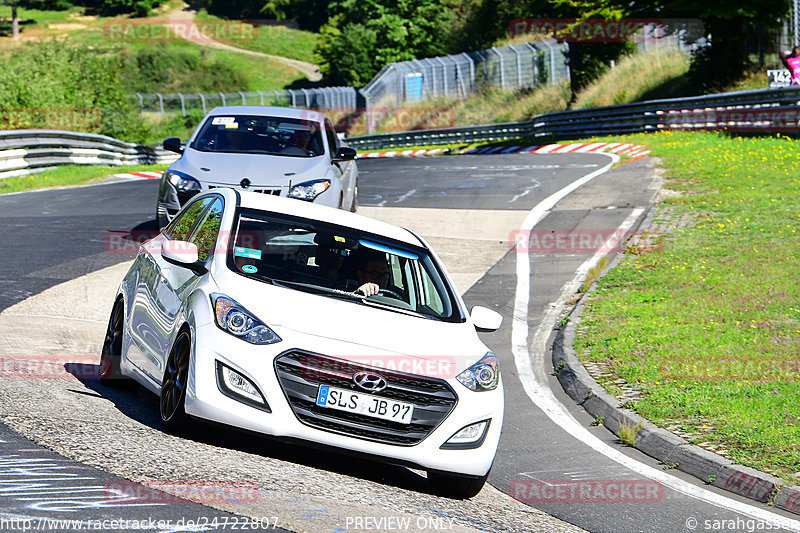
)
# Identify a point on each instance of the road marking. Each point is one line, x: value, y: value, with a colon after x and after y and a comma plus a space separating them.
x: 532, y: 374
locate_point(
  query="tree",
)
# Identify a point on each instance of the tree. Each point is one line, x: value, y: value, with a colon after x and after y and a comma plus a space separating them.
x: 14, y: 16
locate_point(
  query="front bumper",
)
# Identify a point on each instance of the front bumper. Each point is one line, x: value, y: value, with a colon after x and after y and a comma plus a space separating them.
x: 266, y: 367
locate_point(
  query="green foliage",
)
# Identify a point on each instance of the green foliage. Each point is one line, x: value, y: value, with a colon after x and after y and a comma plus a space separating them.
x: 362, y: 37
x: 50, y: 85
x: 139, y: 8
x: 172, y: 70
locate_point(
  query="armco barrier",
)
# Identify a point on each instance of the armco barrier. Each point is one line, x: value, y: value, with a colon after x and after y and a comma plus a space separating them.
x: 25, y: 152
x: 766, y: 111
x: 763, y: 111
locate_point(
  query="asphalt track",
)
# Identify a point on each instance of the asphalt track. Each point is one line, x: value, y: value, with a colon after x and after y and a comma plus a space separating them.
x: 55, y: 236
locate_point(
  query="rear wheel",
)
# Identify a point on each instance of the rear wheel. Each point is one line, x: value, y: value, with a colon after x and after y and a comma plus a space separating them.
x: 456, y: 486
x: 110, y: 373
x: 173, y: 386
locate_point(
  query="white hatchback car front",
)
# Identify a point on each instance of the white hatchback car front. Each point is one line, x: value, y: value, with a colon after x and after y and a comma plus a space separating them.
x: 251, y: 311
x: 270, y: 150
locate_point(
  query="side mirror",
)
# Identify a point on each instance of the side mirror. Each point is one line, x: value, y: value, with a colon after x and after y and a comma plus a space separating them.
x: 183, y: 254
x: 173, y: 144
x: 344, y: 154
x: 485, y: 320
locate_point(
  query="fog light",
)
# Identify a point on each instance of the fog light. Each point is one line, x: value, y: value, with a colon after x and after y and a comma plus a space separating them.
x: 468, y: 437
x: 236, y: 386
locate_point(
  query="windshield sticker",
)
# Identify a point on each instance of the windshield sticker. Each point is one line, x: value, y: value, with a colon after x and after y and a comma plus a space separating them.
x: 231, y: 125
x: 339, y: 239
x: 216, y: 121
x: 249, y: 253
x: 250, y: 269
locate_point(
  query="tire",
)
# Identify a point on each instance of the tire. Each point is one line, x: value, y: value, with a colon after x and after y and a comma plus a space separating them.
x: 455, y: 486
x: 110, y: 355
x: 173, y: 386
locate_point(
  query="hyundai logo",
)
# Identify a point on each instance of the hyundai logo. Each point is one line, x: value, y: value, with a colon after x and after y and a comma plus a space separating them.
x: 245, y: 183
x: 370, y: 381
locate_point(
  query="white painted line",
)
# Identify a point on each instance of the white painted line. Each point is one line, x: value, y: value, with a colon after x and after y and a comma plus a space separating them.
x: 546, y: 149
x: 531, y: 370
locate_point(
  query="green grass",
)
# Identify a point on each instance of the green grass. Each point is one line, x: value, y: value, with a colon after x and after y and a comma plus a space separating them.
x: 705, y: 319
x: 69, y: 175
x: 639, y: 76
x: 275, y: 40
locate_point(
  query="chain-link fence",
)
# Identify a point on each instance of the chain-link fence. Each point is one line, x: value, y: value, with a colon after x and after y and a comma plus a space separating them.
x: 326, y: 98
x: 508, y: 67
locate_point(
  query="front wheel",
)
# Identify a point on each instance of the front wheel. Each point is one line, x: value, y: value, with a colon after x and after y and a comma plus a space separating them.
x: 456, y: 486
x: 173, y: 386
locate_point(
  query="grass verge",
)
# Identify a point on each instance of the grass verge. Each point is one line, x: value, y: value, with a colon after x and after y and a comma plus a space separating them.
x: 66, y: 176
x: 705, y: 321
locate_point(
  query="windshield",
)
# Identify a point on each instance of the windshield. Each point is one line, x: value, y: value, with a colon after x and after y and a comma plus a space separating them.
x: 336, y: 261
x: 253, y: 134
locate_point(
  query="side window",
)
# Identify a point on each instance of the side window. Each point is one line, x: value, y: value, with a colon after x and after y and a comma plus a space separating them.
x: 205, y: 236
x: 333, y: 140
x: 180, y: 228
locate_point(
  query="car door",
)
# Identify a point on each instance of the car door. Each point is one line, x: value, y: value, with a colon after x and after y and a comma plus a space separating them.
x: 150, y: 331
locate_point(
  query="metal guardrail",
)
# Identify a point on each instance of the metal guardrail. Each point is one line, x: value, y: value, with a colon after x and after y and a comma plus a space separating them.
x: 25, y: 152
x: 766, y: 110
x: 763, y: 111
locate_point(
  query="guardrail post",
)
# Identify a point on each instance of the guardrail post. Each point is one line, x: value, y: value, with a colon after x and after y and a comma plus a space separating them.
x: 161, y: 102
x: 222, y: 95
x: 203, y: 101
x: 183, y: 105
x: 244, y: 102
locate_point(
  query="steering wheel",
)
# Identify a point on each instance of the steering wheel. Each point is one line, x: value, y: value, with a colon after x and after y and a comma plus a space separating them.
x: 390, y: 293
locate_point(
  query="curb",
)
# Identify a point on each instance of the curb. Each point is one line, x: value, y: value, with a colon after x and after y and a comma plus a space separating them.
x: 624, y: 149
x: 144, y: 175
x: 671, y: 450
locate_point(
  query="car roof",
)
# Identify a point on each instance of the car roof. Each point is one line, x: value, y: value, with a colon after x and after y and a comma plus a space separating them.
x: 280, y: 112
x: 301, y: 208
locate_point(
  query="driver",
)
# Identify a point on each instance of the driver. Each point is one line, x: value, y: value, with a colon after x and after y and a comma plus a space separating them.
x: 372, y: 272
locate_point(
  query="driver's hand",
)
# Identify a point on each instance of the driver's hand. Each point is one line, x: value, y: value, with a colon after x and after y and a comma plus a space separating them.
x: 368, y: 289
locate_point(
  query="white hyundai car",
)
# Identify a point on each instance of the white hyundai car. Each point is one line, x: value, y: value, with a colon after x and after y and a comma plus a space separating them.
x: 306, y: 322
x: 275, y: 151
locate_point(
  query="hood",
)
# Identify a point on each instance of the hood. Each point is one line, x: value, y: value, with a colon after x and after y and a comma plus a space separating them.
x: 260, y: 169
x: 366, y: 334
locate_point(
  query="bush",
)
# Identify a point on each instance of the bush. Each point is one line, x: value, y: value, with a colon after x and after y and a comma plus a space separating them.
x: 55, y: 86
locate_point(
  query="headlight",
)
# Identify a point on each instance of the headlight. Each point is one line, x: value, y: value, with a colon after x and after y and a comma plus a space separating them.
x: 183, y: 182
x: 236, y: 320
x: 309, y: 189
x: 482, y: 376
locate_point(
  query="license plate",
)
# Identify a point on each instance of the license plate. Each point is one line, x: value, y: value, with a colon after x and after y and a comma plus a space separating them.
x: 364, y: 404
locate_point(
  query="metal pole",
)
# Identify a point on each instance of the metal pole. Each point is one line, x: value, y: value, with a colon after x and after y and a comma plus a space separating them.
x: 160, y: 102
x: 223, y: 99
x: 519, y: 65
x: 471, y: 71
x: 502, y: 69
x: 796, y: 22
x: 262, y: 97
x: 535, y: 64
x: 444, y: 73
x: 244, y: 102
x: 183, y: 105
x: 203, y: 100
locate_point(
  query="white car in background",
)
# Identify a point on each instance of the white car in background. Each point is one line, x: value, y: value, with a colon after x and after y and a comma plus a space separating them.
x: 251, y: 310
x: 270, y: 150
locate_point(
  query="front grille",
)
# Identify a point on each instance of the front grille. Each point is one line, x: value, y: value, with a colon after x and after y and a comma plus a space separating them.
x: 301, y: 373
x: 271, y: 192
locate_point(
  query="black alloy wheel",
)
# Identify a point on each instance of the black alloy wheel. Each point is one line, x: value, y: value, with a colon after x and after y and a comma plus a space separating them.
x: 173, y: 386
x: 110, y: 374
